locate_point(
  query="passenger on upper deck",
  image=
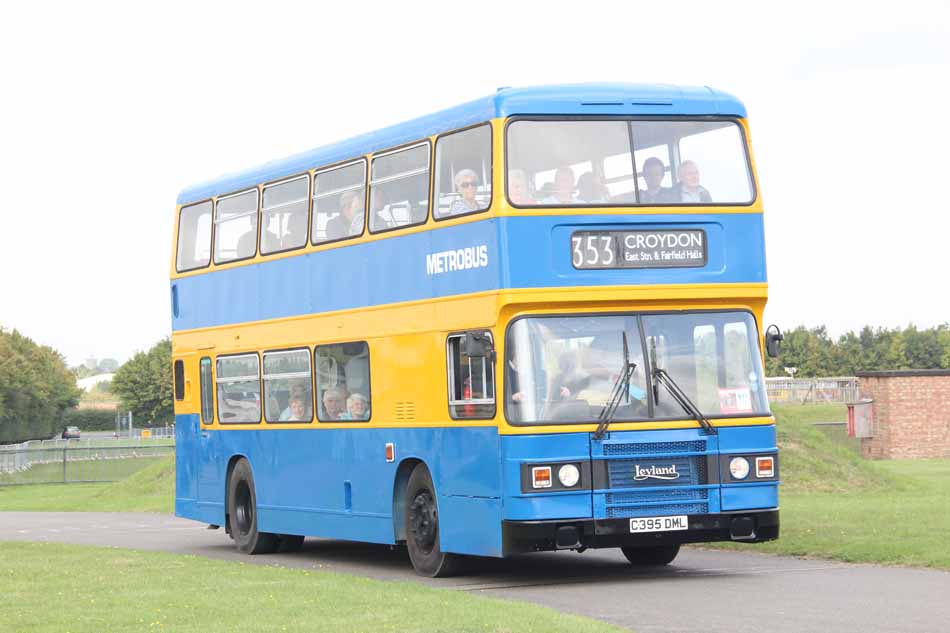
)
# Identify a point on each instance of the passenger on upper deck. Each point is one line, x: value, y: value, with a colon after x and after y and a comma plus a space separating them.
x: 518, y: 188
x: 349, y: 221
x: 591, y: 189
x: 655, y: 193
x: 380, y: 218
x: 688, y: 188
x: 466, y: 182
x: 563, y: 187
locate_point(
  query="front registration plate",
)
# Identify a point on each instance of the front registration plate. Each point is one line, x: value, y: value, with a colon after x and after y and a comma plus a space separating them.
x: 659, y: 524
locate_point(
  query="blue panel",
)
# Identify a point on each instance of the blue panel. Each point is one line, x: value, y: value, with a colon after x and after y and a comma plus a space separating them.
x: 375, y: 273
x: 594, y: 98
x: 399, y: 269
x: 749, y: 496
x: 300, y: 477
x: 186, y: 440
x: 747, y: 439
x: 518, y: 449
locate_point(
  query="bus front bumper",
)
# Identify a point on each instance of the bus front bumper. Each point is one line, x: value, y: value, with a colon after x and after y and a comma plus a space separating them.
x: 539, y: 536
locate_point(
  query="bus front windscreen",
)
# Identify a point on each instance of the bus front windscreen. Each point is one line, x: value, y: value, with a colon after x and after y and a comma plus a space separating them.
x: 613, y: 162
x: 564, y: 369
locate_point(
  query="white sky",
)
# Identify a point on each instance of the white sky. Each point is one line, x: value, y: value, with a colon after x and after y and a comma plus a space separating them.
x: 107, y: 111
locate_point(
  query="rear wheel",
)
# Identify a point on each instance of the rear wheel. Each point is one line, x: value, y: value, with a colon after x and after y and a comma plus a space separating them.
x: 242, y: 513
x: 422, y: 528
x: 647, y: 556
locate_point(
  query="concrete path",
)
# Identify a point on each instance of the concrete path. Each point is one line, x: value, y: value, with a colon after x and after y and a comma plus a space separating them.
x: 702, y: 591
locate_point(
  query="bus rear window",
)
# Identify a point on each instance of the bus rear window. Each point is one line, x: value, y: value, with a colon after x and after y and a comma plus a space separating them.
x: 626, y: 162
x: 194, y: 237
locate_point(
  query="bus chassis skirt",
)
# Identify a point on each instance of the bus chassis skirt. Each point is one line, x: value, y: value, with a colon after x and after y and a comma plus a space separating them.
x: 540, y: 536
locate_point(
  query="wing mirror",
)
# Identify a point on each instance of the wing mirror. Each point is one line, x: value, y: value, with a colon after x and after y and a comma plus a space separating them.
x: 478, y: 345
x: 773, y: 341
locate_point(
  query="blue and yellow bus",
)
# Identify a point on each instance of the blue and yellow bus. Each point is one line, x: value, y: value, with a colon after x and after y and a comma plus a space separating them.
x: 530, y: 322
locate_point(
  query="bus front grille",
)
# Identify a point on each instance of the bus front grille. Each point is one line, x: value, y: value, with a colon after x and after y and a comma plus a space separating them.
x: 656, y: 478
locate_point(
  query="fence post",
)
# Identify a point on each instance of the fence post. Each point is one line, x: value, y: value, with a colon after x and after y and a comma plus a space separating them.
x: 64, y: 462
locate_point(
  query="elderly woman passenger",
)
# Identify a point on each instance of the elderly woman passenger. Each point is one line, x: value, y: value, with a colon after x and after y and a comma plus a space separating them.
x: 357, y: 407
x: 466, y: 181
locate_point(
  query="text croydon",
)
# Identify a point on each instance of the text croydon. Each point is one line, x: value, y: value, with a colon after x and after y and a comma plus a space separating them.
x: 460, y: 259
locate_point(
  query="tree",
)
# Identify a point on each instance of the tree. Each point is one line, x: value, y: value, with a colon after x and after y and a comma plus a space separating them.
x: 144, y: 384
x: 35, y: 388
x: 108, y: 365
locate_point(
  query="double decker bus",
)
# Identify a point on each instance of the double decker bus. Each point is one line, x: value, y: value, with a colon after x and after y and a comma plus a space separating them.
x: 530, y: 322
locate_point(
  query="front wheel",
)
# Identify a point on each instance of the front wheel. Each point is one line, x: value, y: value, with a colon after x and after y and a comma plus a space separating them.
x: 647, y: 556
x: 422, y: 528
x: 242, y: 513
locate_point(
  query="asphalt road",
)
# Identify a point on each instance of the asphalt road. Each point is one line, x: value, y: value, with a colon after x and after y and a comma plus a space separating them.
x: 702, y: 591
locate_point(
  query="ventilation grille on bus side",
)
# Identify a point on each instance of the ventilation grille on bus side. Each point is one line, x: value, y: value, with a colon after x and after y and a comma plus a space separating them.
x: 405, y: 411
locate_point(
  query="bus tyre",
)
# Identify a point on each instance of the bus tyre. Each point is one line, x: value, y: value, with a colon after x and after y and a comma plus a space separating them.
x: 242, y: 513
x: 647, y: 556
x: 422, y: 528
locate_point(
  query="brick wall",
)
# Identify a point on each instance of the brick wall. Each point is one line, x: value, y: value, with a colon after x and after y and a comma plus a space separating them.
x: 911, y: 414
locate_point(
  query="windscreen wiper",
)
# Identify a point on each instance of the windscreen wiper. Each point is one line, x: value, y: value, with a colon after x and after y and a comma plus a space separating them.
x: 620, y: 389
x: 662, y: 377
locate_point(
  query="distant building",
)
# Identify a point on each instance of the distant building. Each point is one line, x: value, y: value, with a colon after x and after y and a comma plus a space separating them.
x: 91, y: 363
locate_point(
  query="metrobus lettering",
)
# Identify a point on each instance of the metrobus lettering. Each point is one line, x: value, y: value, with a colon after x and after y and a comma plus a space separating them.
x: 663, y: 240
x: 461, y: 259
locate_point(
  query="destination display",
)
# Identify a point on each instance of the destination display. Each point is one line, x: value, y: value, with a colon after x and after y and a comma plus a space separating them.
x: 685, y: 248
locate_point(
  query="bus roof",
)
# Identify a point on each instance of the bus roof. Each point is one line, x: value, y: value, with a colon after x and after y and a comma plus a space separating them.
x: 568, y: 99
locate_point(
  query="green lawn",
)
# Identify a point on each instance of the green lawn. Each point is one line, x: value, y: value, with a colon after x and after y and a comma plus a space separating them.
x: 150, y: 489
x: 97, y: 590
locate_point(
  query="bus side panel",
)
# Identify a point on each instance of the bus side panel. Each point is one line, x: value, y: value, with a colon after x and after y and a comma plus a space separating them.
x: 468, y: 479
x: 544, y: 449
x: 336, y: 483
x: 186, y: 481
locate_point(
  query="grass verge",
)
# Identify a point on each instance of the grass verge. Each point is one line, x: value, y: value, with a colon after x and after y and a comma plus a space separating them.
x: 96, y: 589
x: 150, y: 489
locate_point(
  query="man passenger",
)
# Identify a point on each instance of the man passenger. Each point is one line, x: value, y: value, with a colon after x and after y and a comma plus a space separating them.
x: 334, y: 403
x: 688, y: 189
x: 563, y: 187
x: 653, y: 172
x: 349, y: 221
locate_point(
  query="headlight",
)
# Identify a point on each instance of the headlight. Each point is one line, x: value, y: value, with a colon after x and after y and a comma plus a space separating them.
x: 568, y: 475
x: 739, y: 467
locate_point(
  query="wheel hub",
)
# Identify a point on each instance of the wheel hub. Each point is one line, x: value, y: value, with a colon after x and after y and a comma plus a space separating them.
x: 423, y: 520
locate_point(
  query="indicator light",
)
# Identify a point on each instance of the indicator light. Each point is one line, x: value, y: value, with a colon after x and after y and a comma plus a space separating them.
x: 541, y: 477
x: 764, y: 466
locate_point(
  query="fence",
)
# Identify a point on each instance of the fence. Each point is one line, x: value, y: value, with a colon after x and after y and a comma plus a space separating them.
x: 814, y: 390
x: 78, y: 461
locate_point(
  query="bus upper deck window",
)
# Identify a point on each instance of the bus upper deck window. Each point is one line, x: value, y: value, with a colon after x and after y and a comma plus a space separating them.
x: 463, y: 172
x: 591, y: 163
x: 235, y: 227
x: 399, y: 188
x: 339, y: 195
x: 284, y: 215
